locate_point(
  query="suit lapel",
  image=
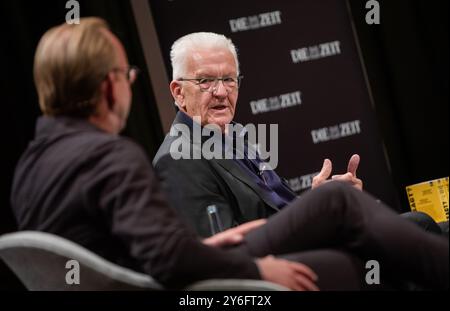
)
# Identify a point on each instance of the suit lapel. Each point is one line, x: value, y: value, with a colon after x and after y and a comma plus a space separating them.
x: 229, y: 165
x: 233, y: 168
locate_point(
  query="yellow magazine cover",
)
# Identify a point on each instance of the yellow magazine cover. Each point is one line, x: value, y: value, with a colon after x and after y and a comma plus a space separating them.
x: 430, y: 197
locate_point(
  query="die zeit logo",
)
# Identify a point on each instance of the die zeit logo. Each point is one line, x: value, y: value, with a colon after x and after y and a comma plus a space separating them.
x: 255, y: 21
x: 301, y: 182
x: 336, y: 131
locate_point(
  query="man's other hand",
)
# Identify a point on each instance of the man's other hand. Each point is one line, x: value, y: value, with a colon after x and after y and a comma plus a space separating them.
x: 293, y: 275
x: 234, y: 235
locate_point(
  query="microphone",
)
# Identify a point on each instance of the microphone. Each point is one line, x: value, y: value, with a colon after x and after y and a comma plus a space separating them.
x: 214, y: 219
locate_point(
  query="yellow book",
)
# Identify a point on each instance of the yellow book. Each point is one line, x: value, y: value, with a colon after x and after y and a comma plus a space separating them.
x: 446, y: 186
x: 430, y: 197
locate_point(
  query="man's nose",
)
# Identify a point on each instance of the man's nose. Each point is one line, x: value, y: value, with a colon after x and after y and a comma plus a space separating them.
x: 220, y: 90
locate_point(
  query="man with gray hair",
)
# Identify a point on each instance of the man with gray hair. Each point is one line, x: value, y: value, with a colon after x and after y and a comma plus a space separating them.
x: 216, y: 193
x: 236, y: 182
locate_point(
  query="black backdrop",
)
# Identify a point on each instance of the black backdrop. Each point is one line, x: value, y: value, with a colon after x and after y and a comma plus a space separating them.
x: 301, y: 66
x: 406, y: 59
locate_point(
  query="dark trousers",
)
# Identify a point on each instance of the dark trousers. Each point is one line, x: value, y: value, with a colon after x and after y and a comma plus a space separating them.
x: 335, y: 229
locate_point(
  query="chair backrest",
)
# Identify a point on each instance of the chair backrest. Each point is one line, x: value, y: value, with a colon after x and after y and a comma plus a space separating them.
x: 39, y: 260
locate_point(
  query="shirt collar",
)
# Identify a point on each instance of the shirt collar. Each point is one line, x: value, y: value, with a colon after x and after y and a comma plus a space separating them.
x: 239, y: 132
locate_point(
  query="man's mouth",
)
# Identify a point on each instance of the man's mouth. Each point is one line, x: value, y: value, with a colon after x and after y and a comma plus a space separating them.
x: 219, y: 107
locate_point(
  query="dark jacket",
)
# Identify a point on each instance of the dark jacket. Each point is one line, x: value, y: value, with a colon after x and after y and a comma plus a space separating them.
x: 99, y: 190
x: 191, y: 185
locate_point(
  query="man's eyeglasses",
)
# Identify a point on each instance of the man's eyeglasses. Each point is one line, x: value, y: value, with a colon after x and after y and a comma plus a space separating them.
x: 210, y: 84
x: 130, y: 72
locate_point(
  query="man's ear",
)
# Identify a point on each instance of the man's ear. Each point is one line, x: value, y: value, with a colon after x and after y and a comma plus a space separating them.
x: 178, y: 94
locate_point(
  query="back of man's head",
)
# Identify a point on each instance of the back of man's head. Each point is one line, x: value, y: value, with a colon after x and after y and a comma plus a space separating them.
x: 70, y: 63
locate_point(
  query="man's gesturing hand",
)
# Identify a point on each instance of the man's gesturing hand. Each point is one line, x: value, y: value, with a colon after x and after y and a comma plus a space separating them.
x: 349, y: 177
x: 323, y: 175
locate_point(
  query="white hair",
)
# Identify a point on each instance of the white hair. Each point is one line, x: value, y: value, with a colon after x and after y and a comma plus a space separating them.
x: 197, y: 41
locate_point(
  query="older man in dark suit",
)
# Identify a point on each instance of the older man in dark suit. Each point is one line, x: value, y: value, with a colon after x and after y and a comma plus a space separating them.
x: 205, y: 87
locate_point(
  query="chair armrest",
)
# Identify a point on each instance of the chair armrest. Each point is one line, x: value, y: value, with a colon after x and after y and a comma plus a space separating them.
x: 235, y: 285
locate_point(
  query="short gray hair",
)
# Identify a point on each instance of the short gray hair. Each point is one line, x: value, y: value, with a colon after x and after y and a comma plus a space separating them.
x: 197, y: 41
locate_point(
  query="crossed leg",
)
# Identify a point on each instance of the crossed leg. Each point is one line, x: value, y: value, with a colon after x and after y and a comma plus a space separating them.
x: 336, y: 216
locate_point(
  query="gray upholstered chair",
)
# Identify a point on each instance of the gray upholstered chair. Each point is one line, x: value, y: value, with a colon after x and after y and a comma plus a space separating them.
x: 39, y: 260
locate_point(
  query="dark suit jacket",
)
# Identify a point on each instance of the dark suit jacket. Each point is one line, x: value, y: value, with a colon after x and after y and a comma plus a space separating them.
x: 192, y: 185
